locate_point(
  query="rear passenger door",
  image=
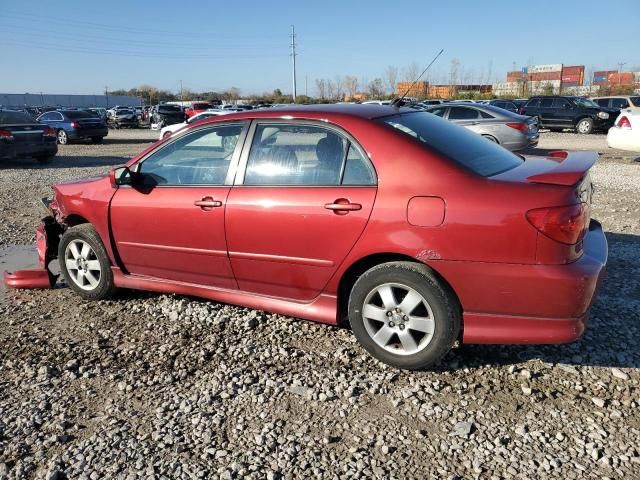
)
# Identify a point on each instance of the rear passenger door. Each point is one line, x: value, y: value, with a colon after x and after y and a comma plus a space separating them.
x: 301, y: 199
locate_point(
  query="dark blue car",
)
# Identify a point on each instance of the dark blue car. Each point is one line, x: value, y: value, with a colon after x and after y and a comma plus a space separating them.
x: 71, y: 125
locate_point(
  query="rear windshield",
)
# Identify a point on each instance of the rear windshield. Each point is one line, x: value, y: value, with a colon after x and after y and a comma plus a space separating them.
x: 635, y: 101
x: 15, y: 118
x: 79, y: 114
x: 457, y: 143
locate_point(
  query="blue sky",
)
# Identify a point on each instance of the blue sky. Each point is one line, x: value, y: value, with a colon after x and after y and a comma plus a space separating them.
x: 73, y: 46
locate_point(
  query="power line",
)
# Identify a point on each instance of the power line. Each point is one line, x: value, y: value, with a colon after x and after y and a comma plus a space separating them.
x: 127, y: 53
x: 139, y: 30
x: 134, y: 42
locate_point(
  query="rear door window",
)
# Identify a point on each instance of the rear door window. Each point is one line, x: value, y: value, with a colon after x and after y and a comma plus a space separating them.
x: 463, y: 113
x: 561, y: 103
x: 294, y: 154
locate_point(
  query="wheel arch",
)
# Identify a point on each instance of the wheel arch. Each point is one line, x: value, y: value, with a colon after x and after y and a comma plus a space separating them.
x: 357, y: 268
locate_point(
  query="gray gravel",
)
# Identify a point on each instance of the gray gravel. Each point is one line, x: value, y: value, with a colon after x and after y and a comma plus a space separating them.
x: 163, y: 386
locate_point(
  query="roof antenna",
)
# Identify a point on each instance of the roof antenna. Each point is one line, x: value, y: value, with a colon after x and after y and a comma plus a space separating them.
x: 397, y: 102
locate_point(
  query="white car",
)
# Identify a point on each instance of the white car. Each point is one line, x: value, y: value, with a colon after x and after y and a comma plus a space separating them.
x: 170, y: 129
x: 625, y: 133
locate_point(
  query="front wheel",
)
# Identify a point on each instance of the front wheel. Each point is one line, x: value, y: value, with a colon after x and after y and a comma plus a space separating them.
x: 403, y: 315
x: 85, y: 264
x: 584, y: 126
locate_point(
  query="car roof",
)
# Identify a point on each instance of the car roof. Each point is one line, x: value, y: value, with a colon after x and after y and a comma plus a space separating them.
x: 365, y: 111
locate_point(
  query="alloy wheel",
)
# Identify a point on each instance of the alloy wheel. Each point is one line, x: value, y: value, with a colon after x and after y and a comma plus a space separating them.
x: 82, y: 264
x: 398, y: 318
x: 62, y: 137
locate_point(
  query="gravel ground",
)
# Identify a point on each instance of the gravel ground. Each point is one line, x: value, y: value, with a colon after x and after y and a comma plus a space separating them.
x: 161, y: 386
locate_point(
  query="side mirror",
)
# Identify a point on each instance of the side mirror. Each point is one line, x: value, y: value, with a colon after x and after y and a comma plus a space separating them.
x: 120, y: 176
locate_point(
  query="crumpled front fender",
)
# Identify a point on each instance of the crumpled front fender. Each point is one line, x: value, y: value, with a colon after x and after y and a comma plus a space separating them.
x: 47, y: 240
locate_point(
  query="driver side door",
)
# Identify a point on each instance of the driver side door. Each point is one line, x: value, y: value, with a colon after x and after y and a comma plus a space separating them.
x: 170, y: 223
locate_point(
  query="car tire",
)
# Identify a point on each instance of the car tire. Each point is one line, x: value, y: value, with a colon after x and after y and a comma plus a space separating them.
x: 413, y: 335
x: 584, y: 126
x: 62, y: 137
x: 97, y: 139
x: 84, y: 263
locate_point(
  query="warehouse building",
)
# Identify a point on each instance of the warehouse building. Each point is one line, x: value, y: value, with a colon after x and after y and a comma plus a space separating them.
x: 78, y: 101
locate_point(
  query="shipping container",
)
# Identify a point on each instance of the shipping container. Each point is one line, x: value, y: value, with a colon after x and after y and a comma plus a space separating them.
x: 413, y: 89
x: 515, y: 76
x: 623, y: 78
x: 570, y: 78
x: 556, y: 67
x: 573, y: 69
x: 544, y: 76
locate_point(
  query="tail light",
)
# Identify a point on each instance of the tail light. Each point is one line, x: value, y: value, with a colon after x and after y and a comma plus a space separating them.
x: 523, y: 127
x: 49, y: 132
x: 75, y: 124
x: 567, y: 224
x: 8, y: 134
x: 624, y: 123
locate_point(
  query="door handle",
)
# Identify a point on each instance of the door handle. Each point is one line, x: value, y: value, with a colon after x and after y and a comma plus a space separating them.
x: 207, y: 203
x: 342, y: 206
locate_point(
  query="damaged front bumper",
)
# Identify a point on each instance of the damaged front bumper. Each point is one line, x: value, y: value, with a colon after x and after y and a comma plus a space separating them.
x: 47, y: 240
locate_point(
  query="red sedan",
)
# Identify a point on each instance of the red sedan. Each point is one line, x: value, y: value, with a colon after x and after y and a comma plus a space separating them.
x: 412, y: 230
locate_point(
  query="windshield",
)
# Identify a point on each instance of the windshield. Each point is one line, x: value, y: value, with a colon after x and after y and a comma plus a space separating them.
x: 456, y: 143
x: 15, y: 118
x: 585, y: 102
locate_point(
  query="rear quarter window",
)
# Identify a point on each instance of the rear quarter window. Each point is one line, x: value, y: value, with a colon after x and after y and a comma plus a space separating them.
x: 460, y: 145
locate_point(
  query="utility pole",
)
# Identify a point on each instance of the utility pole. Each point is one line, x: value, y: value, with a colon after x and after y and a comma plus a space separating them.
x: 181, y: 99
x: 293, y: 58
x: 306, y: 85
x: 620, y: 65
x: 106, y: 94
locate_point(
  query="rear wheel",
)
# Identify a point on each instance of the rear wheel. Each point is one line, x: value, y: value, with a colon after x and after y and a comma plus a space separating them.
x: 584, y: 126
x: 63, y: 138
x: 96, y: 139
x: 85, y: 264
x: 403, y: 316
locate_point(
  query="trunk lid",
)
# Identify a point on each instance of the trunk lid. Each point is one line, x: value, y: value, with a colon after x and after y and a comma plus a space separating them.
x: 556, y: 168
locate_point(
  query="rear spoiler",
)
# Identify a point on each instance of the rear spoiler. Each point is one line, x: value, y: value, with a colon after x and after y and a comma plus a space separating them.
x: 572, y: 167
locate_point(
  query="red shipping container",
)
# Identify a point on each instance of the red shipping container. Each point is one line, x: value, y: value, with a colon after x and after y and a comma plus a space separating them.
x: 545, y: 76
x: 623, y: 78
x: 573, y: 70
x: 572, y: 77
